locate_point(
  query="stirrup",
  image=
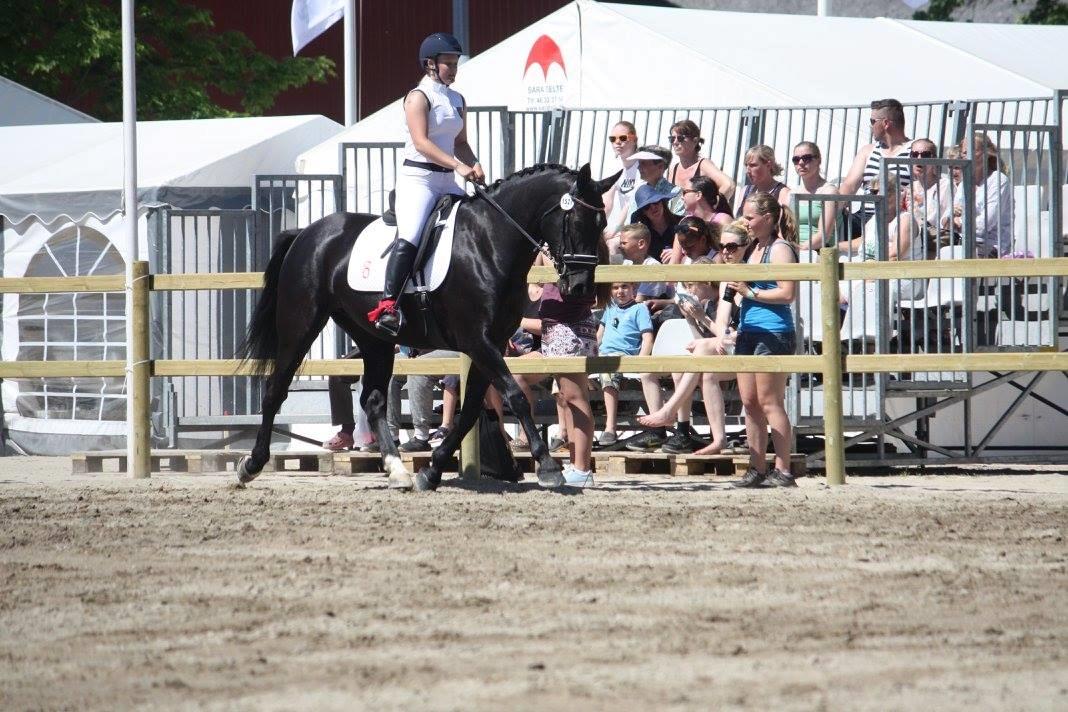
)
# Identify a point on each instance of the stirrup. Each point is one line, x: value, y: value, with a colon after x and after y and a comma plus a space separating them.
x: 386, y: 317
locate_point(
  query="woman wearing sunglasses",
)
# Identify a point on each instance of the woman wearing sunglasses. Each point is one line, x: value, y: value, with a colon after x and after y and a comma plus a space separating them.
x: 734, y: 241
x: 623, y: 138
x: 814, y: 219
x: 685, y: 141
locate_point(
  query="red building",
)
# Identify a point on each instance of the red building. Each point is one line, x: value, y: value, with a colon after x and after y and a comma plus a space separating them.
x: 388, y: 37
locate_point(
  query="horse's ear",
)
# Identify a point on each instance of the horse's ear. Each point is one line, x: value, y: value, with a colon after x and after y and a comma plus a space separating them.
x: 601, y: 187
x: 584, y: 176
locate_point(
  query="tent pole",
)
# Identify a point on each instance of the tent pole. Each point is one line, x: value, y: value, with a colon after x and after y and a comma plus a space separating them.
x: 138, y: 457
x: 352, y: 111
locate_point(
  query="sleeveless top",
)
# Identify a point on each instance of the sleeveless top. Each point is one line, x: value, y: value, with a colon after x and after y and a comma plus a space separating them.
x: 722, y: 204
x: 625, y: 187
x: 809, y: 214
x: 443, y: 122
x: 873, y: 168
x: 555, y: 306
x: 749, y: 189
x: 758, y: 316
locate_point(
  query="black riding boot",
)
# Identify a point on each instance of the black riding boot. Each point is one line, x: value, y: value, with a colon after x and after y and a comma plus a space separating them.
x: 386, y: 316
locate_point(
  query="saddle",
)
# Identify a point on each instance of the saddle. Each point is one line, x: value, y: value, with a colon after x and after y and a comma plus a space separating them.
x: 428, y: 237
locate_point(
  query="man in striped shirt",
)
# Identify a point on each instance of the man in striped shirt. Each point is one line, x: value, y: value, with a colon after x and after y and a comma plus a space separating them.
x: 888, y: 140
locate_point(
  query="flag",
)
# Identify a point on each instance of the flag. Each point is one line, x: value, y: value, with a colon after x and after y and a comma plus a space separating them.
x: 310, y: 18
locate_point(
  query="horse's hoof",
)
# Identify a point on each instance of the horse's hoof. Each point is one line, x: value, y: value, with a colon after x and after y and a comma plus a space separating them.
x: 244, y: 476
x: 425, y: 481
x: 399, y: 477
x: 551, y: 478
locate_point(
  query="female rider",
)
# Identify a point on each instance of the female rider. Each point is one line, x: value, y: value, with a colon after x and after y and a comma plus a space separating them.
x: 435, y: 149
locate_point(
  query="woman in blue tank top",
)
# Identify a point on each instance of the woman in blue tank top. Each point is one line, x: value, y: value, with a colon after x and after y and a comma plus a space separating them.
x: 766, y: 328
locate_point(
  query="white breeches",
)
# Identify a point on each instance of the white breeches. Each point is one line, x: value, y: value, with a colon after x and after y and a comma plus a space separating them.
x: 417, y: 191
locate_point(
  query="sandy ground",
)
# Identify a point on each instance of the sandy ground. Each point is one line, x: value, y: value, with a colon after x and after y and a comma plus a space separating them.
x: 301, y: 592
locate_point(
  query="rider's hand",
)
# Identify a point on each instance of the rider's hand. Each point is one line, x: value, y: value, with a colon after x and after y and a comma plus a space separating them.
x: 477, y: 174
x: 463, y: 170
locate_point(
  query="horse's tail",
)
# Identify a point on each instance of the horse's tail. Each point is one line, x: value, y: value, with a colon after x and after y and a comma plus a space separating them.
x: 261, y: 340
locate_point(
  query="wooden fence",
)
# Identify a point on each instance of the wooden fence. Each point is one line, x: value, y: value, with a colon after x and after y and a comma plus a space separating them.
x: 832, y: 364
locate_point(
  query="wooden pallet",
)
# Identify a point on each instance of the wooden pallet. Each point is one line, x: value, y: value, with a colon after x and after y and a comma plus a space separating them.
x: 198, y: 462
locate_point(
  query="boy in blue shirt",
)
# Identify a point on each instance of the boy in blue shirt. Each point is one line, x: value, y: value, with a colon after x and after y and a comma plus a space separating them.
x: 626, y: 329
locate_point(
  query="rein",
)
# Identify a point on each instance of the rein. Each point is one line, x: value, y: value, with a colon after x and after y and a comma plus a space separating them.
x: 568, y: 262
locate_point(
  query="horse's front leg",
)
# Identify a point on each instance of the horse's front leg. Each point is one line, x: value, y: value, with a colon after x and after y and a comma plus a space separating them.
x: 428, y: 478
x: 492, y: 363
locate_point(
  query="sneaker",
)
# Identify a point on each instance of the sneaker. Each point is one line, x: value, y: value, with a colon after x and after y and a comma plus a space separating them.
x: 607, y: 438
x: 415, y: 444
x: 578, y: 478
x: 437, y: 436
x: 750, y: 480
x: 340, y: 442
x: 778, y: 478
x: 646, y: 442
x: 678, y: 444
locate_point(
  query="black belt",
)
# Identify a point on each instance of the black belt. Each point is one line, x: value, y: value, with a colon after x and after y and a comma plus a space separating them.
x: 427, y: 166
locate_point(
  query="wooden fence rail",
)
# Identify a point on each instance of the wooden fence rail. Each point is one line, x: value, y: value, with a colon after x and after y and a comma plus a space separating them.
x: 831, y: 363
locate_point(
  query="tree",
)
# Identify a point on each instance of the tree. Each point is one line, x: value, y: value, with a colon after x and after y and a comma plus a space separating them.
x: 1044, y: 12
x: 71, y: 50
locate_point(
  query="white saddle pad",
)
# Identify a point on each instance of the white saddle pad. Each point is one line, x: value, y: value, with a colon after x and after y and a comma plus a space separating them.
x: 367, y: 264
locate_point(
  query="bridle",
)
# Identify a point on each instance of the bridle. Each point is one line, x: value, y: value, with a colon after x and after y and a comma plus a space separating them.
x: 568, y: 262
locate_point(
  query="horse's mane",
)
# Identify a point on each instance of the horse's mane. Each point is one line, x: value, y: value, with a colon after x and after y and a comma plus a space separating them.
x: 532, y: 170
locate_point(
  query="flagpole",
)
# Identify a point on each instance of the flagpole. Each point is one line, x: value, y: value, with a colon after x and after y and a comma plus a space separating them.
x: 137, y: 440
x: 824, y: 8
x: 352, y: 111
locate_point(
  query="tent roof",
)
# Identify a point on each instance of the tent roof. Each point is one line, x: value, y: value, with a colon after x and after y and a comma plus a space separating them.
x: 24, y: 106
x: 635, y: 56
x: 77, y: 169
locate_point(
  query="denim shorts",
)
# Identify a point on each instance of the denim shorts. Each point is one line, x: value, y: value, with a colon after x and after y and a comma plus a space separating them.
x: 765, y: 343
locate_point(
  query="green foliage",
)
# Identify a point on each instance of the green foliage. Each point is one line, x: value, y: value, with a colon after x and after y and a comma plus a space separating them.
x: 1046, y: 12
x: 71, y: 50
x: 938, y: 11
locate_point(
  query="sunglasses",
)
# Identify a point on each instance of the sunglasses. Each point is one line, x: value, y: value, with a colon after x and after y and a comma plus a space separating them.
x: 921, y: 154
x: 731, y: 246
x: 619, y: 139
x: 804, y: 158
x: 678, y: 139
x: 687, y: 191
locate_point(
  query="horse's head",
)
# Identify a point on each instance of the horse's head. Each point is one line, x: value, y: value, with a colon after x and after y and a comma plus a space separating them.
x: 577, y: 236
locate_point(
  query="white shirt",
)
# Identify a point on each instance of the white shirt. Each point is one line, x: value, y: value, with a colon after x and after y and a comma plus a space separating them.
x: 624, y: 193
x: 993, y: 214
x: 651, y: 290
x: 443, y: 122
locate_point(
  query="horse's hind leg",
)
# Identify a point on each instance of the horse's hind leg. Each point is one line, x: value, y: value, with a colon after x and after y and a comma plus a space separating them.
x: 428, y: 478
x: 291, y: 350
x: 377, y: 370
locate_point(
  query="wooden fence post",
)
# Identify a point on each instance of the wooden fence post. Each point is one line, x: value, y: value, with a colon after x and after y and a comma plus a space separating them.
x: 140, y: 464
x: 470, y: 453
x: 833, y: 439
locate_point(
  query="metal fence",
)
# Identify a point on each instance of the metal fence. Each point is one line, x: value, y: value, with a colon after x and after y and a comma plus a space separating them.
x: 205, y: 325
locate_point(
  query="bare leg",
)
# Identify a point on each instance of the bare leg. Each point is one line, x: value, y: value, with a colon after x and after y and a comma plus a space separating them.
x: 611, y: 408
x: 573, y: 390
x: 771, y: 392
x: 714, y: 409
x: 665, y: 415
x: 654, y: 399
x: 756, y: 426
x: 449, y: 401
x: 685, y: 408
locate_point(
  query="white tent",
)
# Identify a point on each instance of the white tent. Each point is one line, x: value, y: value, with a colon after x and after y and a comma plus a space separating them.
x: 60, y: 205
x: 23, y: 106
x: 599, y: 55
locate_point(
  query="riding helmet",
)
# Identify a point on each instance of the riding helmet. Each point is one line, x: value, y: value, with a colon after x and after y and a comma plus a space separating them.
x: 438, y: 43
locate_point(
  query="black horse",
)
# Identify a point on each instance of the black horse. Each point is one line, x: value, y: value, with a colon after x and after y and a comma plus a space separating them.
x: 475, y: 310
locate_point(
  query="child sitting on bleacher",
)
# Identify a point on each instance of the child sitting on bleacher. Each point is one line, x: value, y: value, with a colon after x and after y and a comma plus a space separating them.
x: 634, y: 243
x: 626, y: 329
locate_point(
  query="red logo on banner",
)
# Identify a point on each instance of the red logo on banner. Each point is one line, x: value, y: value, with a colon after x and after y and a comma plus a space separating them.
x: 545, y: 53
